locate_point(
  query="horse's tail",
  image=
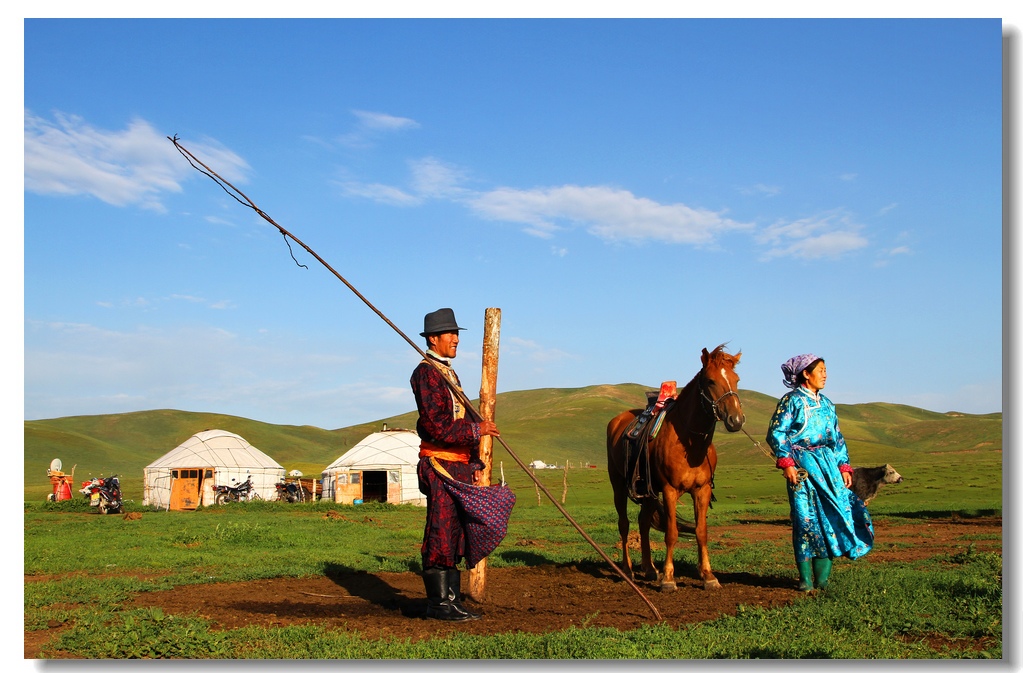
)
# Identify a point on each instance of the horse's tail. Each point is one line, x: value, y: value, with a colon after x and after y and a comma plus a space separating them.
x: 657, y: 521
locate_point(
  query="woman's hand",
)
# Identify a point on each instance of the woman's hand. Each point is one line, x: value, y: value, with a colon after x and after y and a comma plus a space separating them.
x: 790, y: 475
x: 847, y: 479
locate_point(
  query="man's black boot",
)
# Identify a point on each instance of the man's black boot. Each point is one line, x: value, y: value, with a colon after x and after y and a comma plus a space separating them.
x: 438, y: 601
x: 454, y: 581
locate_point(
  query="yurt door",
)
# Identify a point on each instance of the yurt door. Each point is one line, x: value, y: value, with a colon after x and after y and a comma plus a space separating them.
x: 374, y: 486
x: 185, y: 492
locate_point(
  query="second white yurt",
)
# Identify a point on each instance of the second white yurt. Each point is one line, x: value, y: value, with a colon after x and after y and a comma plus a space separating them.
x: 380, y: 468
x: 185, y: 477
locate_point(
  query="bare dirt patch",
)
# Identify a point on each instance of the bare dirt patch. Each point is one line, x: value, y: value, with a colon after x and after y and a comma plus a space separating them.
x: 537, y: 599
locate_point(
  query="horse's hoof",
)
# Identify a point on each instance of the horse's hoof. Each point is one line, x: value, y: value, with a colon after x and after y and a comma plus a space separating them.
x: 667, y: 586
x: 711, y: 584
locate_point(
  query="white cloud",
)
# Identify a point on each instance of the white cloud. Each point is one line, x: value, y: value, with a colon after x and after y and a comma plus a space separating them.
x: 531, y: 351
x: 848, y: 177
x: 379, y: 121
x: 215, y: 219
x: 136, y: 302
x: 76, y: 368
x: 189, y: 298
x: 143, y: 303
x: 761, y: 189
x: 887, y: 209
x: 606, y: 212
x: 885, y: 256
x: 614, y: 214
x: 436, y: 179
x: 828, y: 235
x: 136, y: 166
x: 380, y: 193
x: 370, y: 125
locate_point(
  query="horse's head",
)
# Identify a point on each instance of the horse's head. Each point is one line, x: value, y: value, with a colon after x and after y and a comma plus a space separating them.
x: 719, y: 386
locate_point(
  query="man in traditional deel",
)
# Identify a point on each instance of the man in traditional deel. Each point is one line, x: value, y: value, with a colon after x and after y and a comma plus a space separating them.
x: 452, y: 440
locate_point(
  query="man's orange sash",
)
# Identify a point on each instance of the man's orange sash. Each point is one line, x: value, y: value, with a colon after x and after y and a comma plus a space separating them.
x: 455, y: 454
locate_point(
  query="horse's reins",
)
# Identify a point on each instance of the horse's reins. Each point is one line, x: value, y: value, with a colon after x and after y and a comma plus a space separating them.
x: 235, y: 193
x: 801, y: 473
x: 715, y: 409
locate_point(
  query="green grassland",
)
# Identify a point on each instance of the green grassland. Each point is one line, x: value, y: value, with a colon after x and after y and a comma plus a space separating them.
x: 555, y: 425
x: 889, y: 611
x: 952, y: 464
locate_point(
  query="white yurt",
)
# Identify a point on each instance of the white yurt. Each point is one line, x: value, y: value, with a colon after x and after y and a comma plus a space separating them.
x: 185, y: 477
x: 380, y: 468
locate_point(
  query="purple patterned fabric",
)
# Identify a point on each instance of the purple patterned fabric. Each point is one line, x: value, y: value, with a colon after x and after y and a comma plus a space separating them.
x: 487, y: 510
x: 444, y: 530
x: 793, y: 366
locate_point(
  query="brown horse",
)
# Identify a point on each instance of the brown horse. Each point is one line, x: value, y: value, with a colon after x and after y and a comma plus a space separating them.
x: 682, y: 459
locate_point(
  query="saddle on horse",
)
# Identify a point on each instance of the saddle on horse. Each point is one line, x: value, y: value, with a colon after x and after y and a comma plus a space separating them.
x: 637, y: 438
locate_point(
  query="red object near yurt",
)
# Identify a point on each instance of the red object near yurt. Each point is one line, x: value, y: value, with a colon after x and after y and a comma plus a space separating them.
x: 61, y: 489
x: 61, y: 482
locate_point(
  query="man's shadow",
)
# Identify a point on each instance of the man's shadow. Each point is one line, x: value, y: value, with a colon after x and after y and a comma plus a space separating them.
x: 373, y: 589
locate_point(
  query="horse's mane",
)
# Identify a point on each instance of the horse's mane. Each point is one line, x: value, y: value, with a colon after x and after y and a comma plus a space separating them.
x: 718, y: 355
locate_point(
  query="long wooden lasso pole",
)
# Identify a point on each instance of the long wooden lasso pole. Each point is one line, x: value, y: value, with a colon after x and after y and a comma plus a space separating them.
x: 241, y: 198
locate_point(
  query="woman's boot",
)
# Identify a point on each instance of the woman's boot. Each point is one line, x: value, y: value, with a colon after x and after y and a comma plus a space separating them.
x: 805, y: 575
x: 821, y: 572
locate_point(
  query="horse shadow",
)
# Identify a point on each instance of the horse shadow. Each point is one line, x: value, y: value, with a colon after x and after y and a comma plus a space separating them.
x: 600, y: 570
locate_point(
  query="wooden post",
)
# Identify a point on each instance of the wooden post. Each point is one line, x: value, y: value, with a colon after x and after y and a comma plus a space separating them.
x: 488, y: 400
x: 564, y: 484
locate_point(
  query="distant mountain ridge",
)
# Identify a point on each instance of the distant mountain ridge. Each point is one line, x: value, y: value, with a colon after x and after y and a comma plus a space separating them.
x: 549, y: 424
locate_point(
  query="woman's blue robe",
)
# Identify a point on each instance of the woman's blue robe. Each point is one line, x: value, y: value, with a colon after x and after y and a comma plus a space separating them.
x: 828, y: 520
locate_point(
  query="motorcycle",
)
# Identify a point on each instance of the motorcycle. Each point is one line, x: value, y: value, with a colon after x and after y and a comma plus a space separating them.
x: 239, y: 493
x: 289, y: 491
x: 104, y: 494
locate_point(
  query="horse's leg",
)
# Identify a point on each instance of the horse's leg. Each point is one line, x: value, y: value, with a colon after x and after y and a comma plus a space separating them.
x: 619, y: 486
x: 622, y: 506
x: 646, y: 513
x: 670, y: 538
x: 701, y: 503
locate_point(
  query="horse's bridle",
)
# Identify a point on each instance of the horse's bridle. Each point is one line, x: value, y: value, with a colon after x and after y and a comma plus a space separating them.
x: 715, y: 408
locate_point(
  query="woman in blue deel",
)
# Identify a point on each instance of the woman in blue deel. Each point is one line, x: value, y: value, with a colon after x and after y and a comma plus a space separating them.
x: 828, y: 519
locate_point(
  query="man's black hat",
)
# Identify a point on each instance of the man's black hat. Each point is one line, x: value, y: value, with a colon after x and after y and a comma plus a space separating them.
x: 440, y: 321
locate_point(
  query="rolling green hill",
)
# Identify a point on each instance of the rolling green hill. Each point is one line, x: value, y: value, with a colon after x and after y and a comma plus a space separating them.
x: 554, y: 425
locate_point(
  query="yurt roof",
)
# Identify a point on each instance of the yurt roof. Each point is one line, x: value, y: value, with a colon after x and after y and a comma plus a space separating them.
x: 215, y: 448
x: 389, y: 447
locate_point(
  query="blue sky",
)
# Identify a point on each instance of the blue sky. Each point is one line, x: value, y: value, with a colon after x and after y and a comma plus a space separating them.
x: 627, y: 192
